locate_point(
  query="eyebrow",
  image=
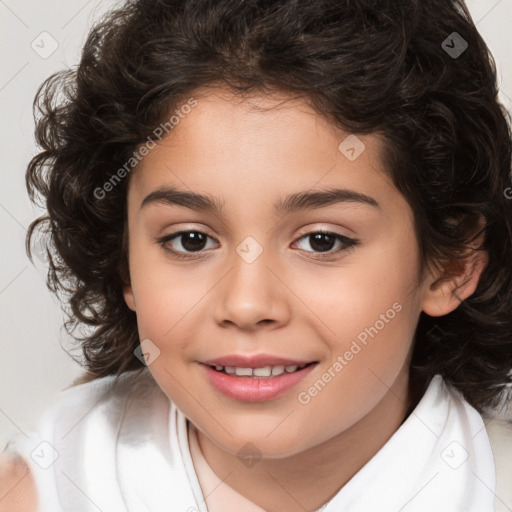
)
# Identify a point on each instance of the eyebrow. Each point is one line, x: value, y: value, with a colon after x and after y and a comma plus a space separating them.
x: 169, y: 195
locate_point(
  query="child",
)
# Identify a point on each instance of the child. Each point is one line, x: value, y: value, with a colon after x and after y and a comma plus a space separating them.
x: 192, y: 167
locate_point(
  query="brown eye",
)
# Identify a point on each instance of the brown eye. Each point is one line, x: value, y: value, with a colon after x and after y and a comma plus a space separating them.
x: 325, y: 241
x: 192, y: 240
x: 184, y: 242
x: 321, y: 241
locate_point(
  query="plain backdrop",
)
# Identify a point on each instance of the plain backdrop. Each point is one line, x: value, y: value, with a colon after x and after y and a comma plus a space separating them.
x: 36, y: 39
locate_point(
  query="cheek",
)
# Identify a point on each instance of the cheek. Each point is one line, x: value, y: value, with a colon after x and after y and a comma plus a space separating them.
x: 166, y: 293
x: 373, y: 289
x: 368, y: 312
x: 367, y: 355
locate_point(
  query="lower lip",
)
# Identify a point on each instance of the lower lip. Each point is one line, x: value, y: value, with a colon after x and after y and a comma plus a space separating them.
x: 250, y: 389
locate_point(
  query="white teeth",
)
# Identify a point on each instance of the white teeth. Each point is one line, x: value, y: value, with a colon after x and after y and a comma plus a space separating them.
x: 263, y: 372
x: 277, y: 370
x: 243, y: 371
x: 266, y: 371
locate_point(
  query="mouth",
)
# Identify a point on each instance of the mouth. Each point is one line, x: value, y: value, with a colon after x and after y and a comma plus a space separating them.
x: 251, y: 380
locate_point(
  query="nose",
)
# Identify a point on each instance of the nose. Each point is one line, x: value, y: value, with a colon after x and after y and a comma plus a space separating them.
x: 252, y: 295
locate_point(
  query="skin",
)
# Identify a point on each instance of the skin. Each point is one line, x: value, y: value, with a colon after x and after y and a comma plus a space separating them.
x: 288, y: 302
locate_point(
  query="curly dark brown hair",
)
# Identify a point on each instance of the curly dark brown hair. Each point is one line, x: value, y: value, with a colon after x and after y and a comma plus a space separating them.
x: 397, y: 68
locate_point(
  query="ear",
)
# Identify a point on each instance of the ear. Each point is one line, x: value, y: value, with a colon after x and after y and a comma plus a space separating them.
x: 442, y: 296
x: 124, y: 272
x: 129, y: 298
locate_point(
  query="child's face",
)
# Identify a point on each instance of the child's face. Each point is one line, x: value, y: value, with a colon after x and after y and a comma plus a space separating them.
x: 353, y: 312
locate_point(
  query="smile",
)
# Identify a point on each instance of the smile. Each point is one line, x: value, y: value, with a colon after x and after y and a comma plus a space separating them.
x: 256, y: 384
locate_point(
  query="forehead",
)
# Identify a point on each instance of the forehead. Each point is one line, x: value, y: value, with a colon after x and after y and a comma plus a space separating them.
x: 257, y: 147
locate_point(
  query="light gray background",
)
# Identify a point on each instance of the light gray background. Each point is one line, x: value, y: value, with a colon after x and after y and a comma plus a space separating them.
x: 33, y: 364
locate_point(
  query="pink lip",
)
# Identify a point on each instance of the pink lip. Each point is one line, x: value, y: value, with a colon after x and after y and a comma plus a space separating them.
x: 249, y: 389
x: 257, y: 361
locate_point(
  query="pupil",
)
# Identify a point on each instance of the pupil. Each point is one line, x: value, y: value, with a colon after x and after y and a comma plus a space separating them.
x: 193, y: 241
x: 317, y: 240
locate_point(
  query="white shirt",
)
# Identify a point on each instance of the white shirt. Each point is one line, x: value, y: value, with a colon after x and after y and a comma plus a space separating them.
x: 125, y: 447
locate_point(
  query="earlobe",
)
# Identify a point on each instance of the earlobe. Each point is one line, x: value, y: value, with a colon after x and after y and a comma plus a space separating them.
x: 129, y: 298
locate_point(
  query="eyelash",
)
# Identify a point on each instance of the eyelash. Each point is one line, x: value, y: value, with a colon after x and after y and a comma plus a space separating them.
x: 349, y: 243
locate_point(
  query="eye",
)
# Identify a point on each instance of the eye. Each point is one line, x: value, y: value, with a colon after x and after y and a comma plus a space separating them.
x: 324, y: 242
x: 190, y: 242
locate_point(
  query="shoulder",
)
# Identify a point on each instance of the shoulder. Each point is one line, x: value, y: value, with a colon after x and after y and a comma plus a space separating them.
x: 98, y: 413
x: 17, y: 486
x: 100, y: 403
x: 87, y: 393
x: 78, y: 418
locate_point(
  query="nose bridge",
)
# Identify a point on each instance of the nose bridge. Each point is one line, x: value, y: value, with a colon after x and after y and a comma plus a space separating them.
x: 251, y: 293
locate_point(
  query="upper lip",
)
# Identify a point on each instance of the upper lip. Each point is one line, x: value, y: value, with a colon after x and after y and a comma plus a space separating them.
x: 256, y: 361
